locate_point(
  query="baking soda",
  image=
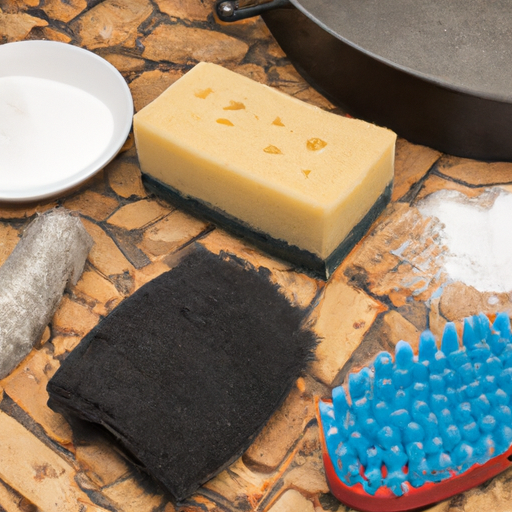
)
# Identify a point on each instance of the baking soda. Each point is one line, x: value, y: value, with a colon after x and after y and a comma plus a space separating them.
x: 478, y: 236
x: 49, y: 131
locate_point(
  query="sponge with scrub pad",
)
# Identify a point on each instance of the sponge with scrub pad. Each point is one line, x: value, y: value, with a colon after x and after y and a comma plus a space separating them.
x: 302, y: 183
x: 423, y: 428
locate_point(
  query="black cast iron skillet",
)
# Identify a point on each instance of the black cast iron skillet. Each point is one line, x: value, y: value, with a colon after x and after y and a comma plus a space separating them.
x: 438, y: 72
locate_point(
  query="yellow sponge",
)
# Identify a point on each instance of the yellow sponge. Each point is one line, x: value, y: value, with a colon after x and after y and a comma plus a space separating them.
x: 303, y: 183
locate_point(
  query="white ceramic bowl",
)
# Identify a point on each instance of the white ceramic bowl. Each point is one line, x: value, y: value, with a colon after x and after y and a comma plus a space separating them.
x: 64, y: 114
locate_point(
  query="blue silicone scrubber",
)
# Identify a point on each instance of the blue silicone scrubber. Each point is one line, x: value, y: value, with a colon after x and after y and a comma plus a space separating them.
x: 420, y: 420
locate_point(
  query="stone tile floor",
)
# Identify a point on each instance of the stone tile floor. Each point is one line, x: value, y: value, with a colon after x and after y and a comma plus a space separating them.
x: 377, y: 297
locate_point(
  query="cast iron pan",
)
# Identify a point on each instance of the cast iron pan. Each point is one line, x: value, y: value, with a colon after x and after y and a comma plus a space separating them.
x: 437, y: 72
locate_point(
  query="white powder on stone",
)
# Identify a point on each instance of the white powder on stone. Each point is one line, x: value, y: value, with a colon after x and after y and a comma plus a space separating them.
x: 478, y: 235
x: 49, y: 131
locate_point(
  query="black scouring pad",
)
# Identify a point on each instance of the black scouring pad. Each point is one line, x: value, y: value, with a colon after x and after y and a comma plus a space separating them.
x: 187, y: 370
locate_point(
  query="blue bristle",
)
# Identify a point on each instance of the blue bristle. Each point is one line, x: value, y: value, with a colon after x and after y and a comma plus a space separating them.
x: 382, y: 410
x: 466, y: 373
x: 395, y: 459
x: 373, y: 469
x: 370, y: 428
x: 450, y: 340
x: 503, y: 414
x: 402, y: 399
x: 340, y: 402
x: 433, y: 445
x: 362, y: 409
x: 359, y: 383
x: 438, y: 414
x: 384, y: 390
x: 388, y: 436
x: 383, y: 366
x: 418, y: 467
x: 457, y: 358
x: 463, y: 412
x: 497, y: 343
x: 469, y: 338
x: 413, y: 433
x: 437, y: 384
x: 485, y: 326
x: 420, y: 391
x: 361, y: 445
x: 404, y: 356
x: 420, y: 372
x: 480, y: 406
x: 400, y: 418
x: 502, y: 325
x: 438, y: 363
x: 427, y: 347
x: 402, y: 378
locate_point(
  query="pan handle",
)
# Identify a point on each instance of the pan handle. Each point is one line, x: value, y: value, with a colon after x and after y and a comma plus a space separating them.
x: 234, y: 10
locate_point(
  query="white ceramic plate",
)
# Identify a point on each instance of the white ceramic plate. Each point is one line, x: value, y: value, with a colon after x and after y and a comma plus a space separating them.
x: 64, y: 114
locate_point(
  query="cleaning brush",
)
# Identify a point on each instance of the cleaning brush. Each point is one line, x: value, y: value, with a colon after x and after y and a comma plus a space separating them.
x: 417, y: 429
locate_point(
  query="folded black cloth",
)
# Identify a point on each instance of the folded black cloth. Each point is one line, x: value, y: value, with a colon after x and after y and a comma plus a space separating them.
x: 187, y: 370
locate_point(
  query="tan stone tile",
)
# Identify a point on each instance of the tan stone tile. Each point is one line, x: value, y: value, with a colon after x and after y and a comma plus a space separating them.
x: 283, y: 429
x: 15, y: 6
x: 401, y: 256
x: 477, y: 173
x: 182, y: 45
x: 105, y: 255
x: 27, y: 387
x: 15, y: 27
x: 9, y: 238
x: 37, y: 472
x: 101, y: 463
x: 312, y: 96
x: 239, y: 485
x: 149, y: 272
x: 194, y: 10
x: 112, y: 23
x: 292, y: 501
x: 252, y: 71
x: 306, y: 470
x: 139, y: 214
x: 221, y: 241
x: 170, y: 233
x: 44, y: 338
x: 11, y: 501
x: 435, y: 183
x: 73, y: 318
x: 92, y: 204
x: 287, y: 79
x: 129, y: 496
x: 459, y: 301
x: 64, y: 344
x: 342, y: 319
x: 298, y: 288
x: 436, y: 321
x: 24, y: 211
x: 124, y: 178
x: 55, y: 35
x: 150, y: 85
x: 412, y: 162
x: 125, y: 63
x: 396, y: 328
x: 104, y: 294
x: 63, y: 11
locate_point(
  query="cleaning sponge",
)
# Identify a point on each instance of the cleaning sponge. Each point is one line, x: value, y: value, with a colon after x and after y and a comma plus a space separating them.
x: 187, y: 370
x: 302, y: 183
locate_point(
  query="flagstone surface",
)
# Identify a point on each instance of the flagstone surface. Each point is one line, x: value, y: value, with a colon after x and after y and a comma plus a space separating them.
x: 391, y: 286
